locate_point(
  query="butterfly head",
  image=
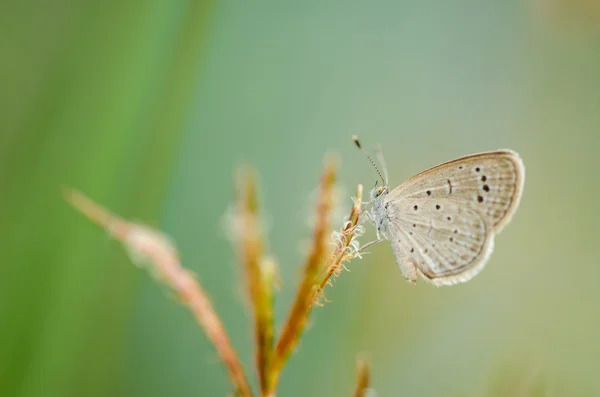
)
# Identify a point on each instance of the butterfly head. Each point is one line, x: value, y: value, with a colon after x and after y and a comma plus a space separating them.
x: 379, y: 191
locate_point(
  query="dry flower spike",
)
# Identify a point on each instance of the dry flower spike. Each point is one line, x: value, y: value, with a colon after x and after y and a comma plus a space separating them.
x: 346, y: 244
x: 298, y: 315
x: 154, y: 250
x: 363, y: 379
x: 259, y: 271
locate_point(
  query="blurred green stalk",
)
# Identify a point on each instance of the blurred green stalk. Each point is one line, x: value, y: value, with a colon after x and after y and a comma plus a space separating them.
x: 97, y: 96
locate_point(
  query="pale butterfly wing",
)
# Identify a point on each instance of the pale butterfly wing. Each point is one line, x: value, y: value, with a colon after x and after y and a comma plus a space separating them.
x: 445, y: 246
x: 490, y: 182
x: 442, y: 221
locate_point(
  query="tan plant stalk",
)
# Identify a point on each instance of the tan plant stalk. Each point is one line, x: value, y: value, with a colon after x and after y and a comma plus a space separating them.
x: 156, y: 251
x: 298, y: 315
x: 317, y: 273
x: 151, y: 248
x: 260, y: 272
x: 363, y: 379
x: 344, y: 250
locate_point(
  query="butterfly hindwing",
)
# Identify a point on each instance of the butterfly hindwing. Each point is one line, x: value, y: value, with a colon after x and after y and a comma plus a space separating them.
x: 446, y: 245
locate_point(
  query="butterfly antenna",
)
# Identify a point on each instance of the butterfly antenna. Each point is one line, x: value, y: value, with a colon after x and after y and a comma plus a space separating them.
x: 382, y: 162
x: 355, y: 139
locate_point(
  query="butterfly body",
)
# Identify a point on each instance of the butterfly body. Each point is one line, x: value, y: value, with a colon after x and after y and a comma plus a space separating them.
x: 442, y: 222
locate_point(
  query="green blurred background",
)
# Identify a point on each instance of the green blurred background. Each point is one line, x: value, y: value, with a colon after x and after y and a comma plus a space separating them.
x: 149, y: 106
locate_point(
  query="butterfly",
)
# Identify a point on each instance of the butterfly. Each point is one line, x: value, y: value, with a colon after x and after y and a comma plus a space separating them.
x: 441, y: 223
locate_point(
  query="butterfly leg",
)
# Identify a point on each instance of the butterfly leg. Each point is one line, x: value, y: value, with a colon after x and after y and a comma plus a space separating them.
x: 367, y: 214
x: 370, y: 218
x: 369, y: 244
x: 379, y: 239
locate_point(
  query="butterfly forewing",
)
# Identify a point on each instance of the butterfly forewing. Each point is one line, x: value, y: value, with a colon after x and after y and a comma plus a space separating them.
x: 443, y: 221
x: 490, y: 182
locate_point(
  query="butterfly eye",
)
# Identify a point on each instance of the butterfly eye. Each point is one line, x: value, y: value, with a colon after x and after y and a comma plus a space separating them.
x: 379, y: 191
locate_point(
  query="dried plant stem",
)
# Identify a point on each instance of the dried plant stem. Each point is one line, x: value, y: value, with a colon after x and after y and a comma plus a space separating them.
x: 298, y: 315
x: 155, y: 250
x: 200, y: 305
x: 341, y: 253
x: 260, y: 273
x: 152, y: 249
x: 363, y: 379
